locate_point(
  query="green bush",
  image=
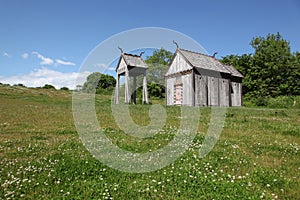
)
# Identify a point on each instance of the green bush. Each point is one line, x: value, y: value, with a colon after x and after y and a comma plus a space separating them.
x: 48, y: 86
x: 281, y: 102
x: 64, y: 88
x: 249, y: 100
x: 272, y: 102
x: 296, y: 102
x: 261, y: 101
x: 106, y: 91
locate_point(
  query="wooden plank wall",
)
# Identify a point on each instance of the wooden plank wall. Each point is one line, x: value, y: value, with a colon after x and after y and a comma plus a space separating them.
x: 224, y: 92
x: 236, y: 94
x: 209, y: 91
x: 200, y: 90
x: 188, y: 89
x: 213, y: 91
x: 170, y: 82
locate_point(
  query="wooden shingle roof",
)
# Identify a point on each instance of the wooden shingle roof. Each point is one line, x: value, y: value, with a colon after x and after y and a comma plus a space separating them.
x: 134, y: 60
x: 203, y: 61
x: 233, y: 71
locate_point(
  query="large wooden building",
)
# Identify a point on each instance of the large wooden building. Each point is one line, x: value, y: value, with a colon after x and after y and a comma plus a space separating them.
x: 195, y: 79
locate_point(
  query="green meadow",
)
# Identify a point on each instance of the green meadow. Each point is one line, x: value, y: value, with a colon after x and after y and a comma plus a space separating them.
x: 42, y: 156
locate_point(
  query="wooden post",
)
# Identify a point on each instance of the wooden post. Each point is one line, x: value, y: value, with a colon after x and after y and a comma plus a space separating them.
x: 145, y: 90
x: 133, y: 97
x: 117, y: 89
x: 127, y: 91
x: 193, y: 88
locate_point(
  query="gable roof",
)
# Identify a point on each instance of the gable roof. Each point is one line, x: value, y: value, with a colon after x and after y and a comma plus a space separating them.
x: 203, y: 61
x: 207, y: 62
x: 133, y: 60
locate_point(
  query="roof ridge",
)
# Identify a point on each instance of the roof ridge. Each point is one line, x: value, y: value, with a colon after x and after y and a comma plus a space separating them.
x: 133, y: 60
x: 129, y: 54
x: 196, y: 52
x: 202, y: 54
x: 218, y: 64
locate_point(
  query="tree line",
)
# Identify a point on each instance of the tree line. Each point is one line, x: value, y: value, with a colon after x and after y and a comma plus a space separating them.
x: 46, y: 86
x: 272, y: 70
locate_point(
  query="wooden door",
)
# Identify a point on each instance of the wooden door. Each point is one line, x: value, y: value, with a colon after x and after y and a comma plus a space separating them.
x: 178, y: 96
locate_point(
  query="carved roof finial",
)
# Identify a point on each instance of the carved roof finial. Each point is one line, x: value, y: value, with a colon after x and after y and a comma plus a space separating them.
x: 214, y: 55
x: 177, y: 46
x: 142, y: 53
x: 120, y: 49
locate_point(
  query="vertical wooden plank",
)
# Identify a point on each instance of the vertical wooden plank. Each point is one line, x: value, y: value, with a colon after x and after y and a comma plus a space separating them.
x: 192, y: 78
x: 187, y: 89
x: 213, y: 91
x: 230, y: 92
x: 200, y: 90
x: 241, y: 94
x: 170, y: 91
x: 209, y: 91
x: 236, y: 95
x: 223, y: 92
x: 233, y: 94
x: 197, y: 90
x: 117, y: 89
x: 204, y: 91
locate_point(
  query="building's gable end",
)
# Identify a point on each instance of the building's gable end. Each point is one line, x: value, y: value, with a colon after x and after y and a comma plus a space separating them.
x: 121, y: 68
x: 178, y: 65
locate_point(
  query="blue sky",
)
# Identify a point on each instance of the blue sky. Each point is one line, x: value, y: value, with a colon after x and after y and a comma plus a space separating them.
x: 47, y: 41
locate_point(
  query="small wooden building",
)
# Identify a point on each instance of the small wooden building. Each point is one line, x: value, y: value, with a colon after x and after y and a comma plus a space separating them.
x: 131, y: 66
x: 195, y: 79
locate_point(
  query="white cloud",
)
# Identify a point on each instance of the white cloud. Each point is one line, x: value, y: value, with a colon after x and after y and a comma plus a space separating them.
x: 49, y: 61
x: 5, y: 54
x: 44, y: 60
x: 42, y: 76
x: 61, y: 62
x: 25, y: 55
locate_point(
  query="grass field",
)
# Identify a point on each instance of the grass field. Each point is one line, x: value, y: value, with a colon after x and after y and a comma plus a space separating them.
x: 42, y: 157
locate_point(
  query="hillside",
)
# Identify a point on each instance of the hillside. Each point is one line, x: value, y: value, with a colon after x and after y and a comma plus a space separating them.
x: 42, y: 156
